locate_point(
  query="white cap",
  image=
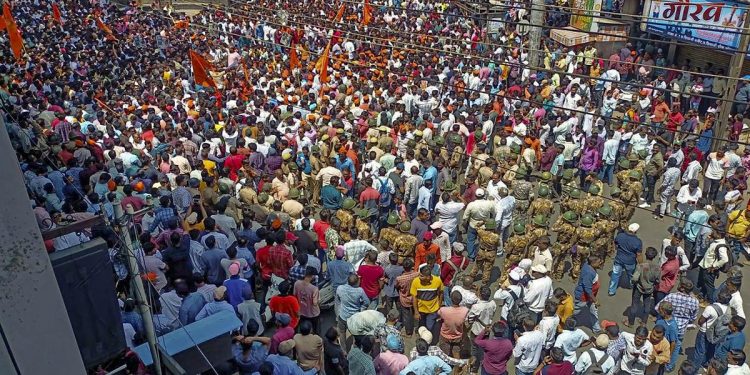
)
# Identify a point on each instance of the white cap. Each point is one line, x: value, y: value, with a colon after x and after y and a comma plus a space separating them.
x: 517, y: 273
x: 479, y: 192
x: 539, y: 268
x: 425, y: 334
x: 633, y: 227
x: 436, y: 225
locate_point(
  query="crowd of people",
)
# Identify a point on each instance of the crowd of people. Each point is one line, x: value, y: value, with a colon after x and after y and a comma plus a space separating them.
x: 422, y: 180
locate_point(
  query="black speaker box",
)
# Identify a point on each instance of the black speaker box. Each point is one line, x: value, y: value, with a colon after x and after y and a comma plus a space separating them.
x: 85, y: 277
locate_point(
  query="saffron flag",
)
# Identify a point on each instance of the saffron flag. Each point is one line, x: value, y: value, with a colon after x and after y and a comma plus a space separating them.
x: 56, y: 13
x: 322, y: 65
x: 340, y: 13
x: 182, y: 24
x: 201, y: 68
x: 16, y: 41
x: 102, y: 26
x: 366, y: 13
x: 293, y: 59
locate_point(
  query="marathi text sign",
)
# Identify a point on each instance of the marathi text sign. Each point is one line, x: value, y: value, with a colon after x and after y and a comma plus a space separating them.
x: 704, y: 22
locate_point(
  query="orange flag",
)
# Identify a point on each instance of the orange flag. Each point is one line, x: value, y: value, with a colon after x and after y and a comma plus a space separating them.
x: 322, y: 65
x: 56, y: 13
x: 293, y: 59
x: 201, y: 68
x: 182, y: 24
x: 102, y: 26
x: 366, y: 13
x: 340, y: 13
x: 16, y: 41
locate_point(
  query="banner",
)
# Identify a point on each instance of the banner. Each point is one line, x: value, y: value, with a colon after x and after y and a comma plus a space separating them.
x: 582, y: 15
x: 703, y: 22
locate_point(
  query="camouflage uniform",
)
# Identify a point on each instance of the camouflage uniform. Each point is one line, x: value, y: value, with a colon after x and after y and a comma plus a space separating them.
x: 390, y: 234
x: 515, y: 250
x: 592, y: 204
x: 618, y: 213
x: 630, y: 196
x: 566, y: 238
x: 488, y: 243
x: 347, y: 219
x: 541, y: 206
x: 586, y: 236
x: 534, y: 233
x: 573, y: 204
x: 363, y: 229
x: 522, y: 193
x: 605, y: 244
x: 404, y: 246
x: 622, y: 178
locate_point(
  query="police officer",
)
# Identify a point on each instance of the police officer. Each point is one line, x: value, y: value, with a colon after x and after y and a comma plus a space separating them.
x: 363, y: 225
x: 586, y: 237
x: 593, y: 202
x: 489, y: 241
x: 515, y: 249
x: 405, y: 242
x: 565, y: 227
x: 522, y: 192
x: 542, y: 205
x: 605, y: 244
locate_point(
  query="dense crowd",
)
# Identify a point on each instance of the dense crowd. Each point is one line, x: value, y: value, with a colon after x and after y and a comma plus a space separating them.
x: 412, y: 183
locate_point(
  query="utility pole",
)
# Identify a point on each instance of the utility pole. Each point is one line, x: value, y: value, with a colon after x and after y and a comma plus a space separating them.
x: 536, y: 19
x: 735, y: 69
x: 137, y: 285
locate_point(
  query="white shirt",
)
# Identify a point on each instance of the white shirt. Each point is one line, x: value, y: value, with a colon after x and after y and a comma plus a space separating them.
x: 528, y: 349
x: 736, y: 304
x: 507, y: 299
x: 685, y: 196
x: 585, y: 360
x: 738, y: 370
x: 715, y: 168
x: 468, y: 298
x: 635, y: 359
x: 710, y: 315
x: 543, y: 257
x: 537, y: 292
x: 504, y: 211
x: 684, y: 261
x: 548, y: 327
x: 570, y: 341
x: 493, y: 187
x: 481, y: 311
x: 610, y: 151
x: 692, y: 171
x: 448, y: 215
x: 710, y: 259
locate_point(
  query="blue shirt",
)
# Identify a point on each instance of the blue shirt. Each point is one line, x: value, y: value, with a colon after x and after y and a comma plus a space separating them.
x: 733, y: 341
x: 283, y: 365
x: 628, y: 245
x: 670, y: 329
x: 431, y: 174
x: 351, y: 300
x: 191, y: 306
x: 694, y: 223
x: 346, y: 164
x: 330, y: 197
x: 585, y: 283
x: 426, y: 365
x: 213, y: 308
x: 338, y: 272
x: 238, y: 290
x: 255, y: 357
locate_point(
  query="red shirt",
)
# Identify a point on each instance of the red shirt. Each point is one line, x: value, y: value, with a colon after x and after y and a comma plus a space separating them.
x: 670, y: 270
x: 320, y: 227
x: 286, y: 304
x: 369, y: 194
x: 262, y: 256
x: 280, y: 260
x: 447, y: 271
x: 369, y: 279
x: 234, y: 164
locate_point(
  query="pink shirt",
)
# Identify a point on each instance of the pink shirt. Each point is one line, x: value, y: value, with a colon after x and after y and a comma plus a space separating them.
x: 390, y: 363
x: 453, y: 321
x: 308, y: 296
x: 670, y: 270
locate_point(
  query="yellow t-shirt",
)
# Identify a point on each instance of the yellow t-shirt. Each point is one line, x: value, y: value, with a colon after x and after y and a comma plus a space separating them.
x: 738, y: 224
x: 427, y: 296
x: 564, y: 311
x: 210, y: 167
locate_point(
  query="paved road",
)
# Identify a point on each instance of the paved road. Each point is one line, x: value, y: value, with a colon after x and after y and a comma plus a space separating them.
x: 652, y: 232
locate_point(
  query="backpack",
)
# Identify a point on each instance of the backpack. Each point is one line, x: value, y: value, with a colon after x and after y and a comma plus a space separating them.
x: 720, y: 327
x: 458, y: 270
x: 596, y: 366
x: 731, y: 259
x: 386, y: 198
x: 519, y: 311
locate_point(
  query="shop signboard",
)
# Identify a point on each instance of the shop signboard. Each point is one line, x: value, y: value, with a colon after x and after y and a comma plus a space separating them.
x: 703, y: 22
x: 582, y: 18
